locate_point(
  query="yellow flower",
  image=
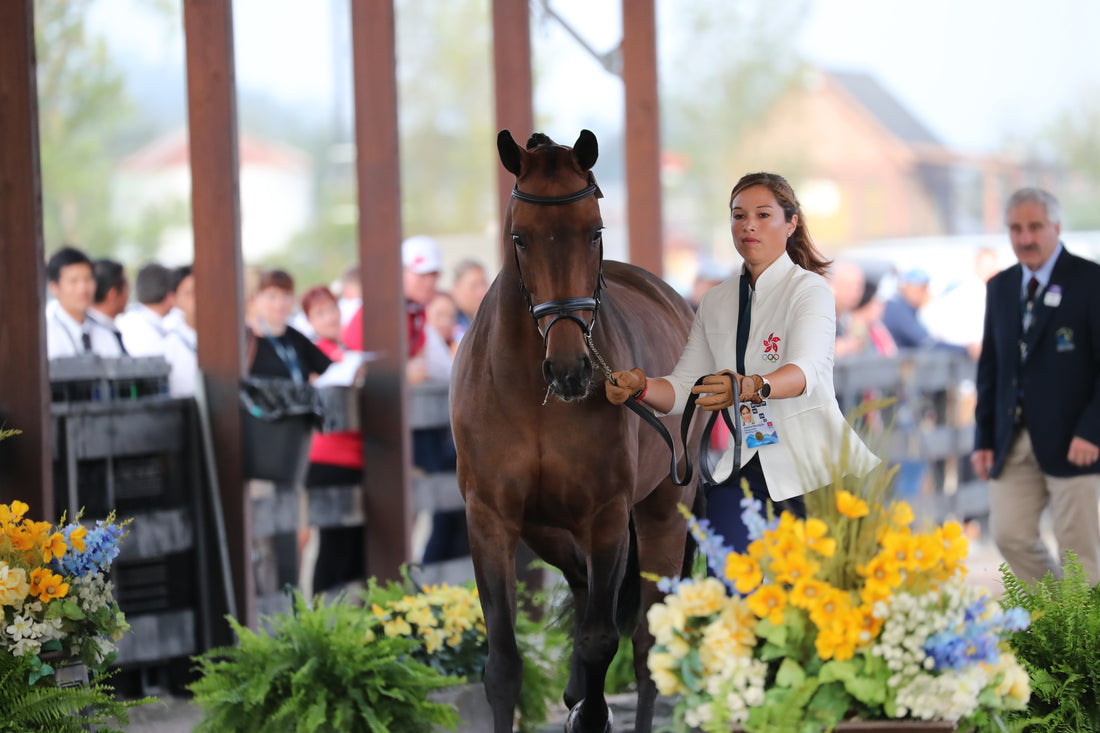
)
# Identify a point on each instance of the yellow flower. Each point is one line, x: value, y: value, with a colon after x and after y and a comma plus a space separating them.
x: 816, y: 539
x: 927, y: 552
x: 702, y: 598
x: 954, y: 543
x: 882, y: 577
x: 867, y: 624
x: 768, y: 602
x: 900, y: 549
x: 433, y: 640
x: 851, y: 506
x: 662, y: 666
x: 51, y: 586
x: 744, y: 571
x: 835, y: 642
x: 665, y: 621
x: 397, y: 627
x: 13, y: 585
x: 54, y: 546
x: 807, y: 593
x: 794, y: 567
x: 833, y: 607
x: 902, y: 514
x: 76, y: 537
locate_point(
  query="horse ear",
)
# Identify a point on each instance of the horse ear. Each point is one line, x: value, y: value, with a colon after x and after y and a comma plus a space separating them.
x: 510, y: 153
x: 586, y: 150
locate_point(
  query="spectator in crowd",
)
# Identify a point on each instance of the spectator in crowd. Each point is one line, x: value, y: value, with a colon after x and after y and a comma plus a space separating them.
x: 866, y: 326
x: 441, y: 317
x: 144, y: 325
x: 322, y: 310
x: 335, y: 459
x: 901, y: 315
x: 1037, y: 434
x: 112, y: 292
x: 280, y: 350
x: 708, y: 274
x: 468, y: 290
x: 848, y: 283
x: 957, y: 316
x: 69, y: 329
x: 181, y: 343
x: 351, y: 293
x: 433, y: 450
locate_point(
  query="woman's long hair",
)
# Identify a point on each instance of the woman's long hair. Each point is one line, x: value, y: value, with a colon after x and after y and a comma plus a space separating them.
x: 800, y: 247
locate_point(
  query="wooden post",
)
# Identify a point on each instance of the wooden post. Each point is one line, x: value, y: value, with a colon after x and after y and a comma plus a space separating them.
x: 643, y: 137
x: 25, y: 461
x: 512, y: 85
x: 387, y: 448
x: 216, y: 217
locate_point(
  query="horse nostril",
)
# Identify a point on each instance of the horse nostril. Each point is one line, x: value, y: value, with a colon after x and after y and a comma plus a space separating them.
x: 547, y: 371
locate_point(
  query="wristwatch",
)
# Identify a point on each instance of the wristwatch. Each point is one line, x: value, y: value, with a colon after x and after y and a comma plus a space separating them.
x: 766, y: 390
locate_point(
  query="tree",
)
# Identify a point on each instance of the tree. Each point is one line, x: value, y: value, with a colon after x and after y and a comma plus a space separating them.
x: 82, y: 107
x: 1074, y: 135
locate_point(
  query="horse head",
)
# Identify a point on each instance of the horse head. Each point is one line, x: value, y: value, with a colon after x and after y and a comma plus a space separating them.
x: 555, y: 230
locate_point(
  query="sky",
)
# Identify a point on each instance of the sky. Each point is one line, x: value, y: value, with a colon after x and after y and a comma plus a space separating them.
x: 976, y: 72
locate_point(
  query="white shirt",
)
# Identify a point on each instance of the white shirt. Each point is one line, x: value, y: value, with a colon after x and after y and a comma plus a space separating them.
x: 143, y: 331
x: 792, y: 322
x: 179, y: 352
x: 438, y: 357
x: 65, y: 337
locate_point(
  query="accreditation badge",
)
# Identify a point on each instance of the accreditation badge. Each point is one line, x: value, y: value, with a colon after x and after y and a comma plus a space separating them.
x: 756, y: 426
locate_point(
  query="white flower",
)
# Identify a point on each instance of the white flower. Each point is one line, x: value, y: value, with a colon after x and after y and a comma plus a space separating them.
x: 20, y: 628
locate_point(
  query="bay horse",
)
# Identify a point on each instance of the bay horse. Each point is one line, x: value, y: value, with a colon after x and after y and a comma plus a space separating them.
x: 542, y: 455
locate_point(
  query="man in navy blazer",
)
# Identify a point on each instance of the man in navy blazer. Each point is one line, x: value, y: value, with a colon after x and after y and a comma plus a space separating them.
x: 1038, y: 412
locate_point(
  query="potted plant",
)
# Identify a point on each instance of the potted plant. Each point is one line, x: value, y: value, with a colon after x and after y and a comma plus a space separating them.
x: 448, y: 624
x: 1060, y: 649
x: 321, y: 667
x: 57, y: 611
x: 851, y: 615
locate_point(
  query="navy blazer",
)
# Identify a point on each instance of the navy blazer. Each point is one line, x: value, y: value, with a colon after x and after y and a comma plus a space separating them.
x: 1059, y: 379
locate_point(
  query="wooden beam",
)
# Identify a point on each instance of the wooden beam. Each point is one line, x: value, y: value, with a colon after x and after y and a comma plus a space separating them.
x: 643, y: 136
x: 512, y: 86
x: 216, y: 219
x: 25, y: 461
x: 387, y: 447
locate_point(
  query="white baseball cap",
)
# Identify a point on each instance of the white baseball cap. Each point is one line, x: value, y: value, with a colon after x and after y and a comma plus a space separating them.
x: 420, y: 254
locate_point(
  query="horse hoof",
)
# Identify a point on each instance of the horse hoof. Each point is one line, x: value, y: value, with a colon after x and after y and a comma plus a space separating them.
x: 574, y: 715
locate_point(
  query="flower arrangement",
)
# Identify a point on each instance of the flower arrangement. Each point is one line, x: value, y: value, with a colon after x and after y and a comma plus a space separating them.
x: 448, y: 623
x: 54, y: 594
x: 850, y: 614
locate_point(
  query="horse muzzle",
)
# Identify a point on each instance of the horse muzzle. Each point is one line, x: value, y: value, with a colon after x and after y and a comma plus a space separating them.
x: 569, y: 379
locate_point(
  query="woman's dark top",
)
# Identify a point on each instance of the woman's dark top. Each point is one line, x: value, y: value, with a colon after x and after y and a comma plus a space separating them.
x: 289, y: 350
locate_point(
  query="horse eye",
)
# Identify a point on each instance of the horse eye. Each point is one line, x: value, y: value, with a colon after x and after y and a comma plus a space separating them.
x: 597, y: 238
x: 518, y: 241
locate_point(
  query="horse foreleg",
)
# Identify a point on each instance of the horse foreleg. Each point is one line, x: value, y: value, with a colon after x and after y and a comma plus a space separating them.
x: 493, y: 550
x: 597, y: 637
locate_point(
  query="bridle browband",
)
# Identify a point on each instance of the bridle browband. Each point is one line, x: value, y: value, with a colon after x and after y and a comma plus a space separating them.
x: 560, y: 307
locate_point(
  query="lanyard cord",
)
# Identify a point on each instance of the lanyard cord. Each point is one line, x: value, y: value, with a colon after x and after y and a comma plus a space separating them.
x: 77, y: 348
x: 286, y: 354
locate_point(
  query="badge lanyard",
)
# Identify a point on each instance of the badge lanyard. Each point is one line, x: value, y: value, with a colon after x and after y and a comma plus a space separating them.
x: 286, y: 354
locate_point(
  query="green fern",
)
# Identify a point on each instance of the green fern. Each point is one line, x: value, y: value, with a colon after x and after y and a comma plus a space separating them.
x: 46, y: 708
x: 316, y: 671
x: 1060, y: 649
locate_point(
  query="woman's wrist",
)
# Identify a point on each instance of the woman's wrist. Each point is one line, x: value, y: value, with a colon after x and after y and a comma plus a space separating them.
x: 640, y: 394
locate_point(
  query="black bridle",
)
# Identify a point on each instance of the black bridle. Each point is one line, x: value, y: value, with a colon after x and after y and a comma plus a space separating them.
x: 560, y: 307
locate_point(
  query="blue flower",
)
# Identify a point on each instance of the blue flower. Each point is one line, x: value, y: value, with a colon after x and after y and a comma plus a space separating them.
x: 101, y: 546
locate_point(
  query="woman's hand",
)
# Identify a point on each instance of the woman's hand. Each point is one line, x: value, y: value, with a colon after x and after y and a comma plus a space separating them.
x: 716, y: 390
x: 628, y: 384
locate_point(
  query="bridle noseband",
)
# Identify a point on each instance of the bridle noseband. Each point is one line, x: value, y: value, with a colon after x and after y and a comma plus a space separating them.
x: 560, y: 307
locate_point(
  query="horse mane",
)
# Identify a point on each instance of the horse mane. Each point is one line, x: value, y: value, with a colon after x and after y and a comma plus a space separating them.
x: 539, y: 139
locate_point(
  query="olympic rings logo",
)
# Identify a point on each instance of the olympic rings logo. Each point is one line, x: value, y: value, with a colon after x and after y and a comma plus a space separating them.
x: 771, y: 357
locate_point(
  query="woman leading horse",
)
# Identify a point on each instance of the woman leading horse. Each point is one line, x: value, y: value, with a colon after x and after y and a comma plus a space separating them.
x: 542, y: 455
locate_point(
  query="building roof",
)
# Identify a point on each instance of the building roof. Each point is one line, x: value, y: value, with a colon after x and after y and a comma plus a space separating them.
x: 886, y: 108
x: 173, y: 149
